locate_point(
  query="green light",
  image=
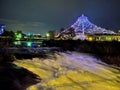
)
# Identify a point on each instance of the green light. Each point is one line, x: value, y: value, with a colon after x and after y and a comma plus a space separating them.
x: 29, y: 44
x: 18, y: 35
x: 17, y: 43
x: 48, y: 35
x: 108, y: 38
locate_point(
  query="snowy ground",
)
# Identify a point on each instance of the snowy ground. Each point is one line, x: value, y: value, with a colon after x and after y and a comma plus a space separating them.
x: 72, y: 71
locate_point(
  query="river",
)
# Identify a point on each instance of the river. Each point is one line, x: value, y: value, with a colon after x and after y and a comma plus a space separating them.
x: 72, y: 71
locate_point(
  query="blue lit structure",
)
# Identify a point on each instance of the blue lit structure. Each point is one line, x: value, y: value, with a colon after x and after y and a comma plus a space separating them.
x: 33, y: 45
x: 82, y: 23
x: 2, y: 28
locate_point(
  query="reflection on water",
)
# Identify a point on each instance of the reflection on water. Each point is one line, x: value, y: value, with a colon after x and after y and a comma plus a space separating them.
x: 72, y: 71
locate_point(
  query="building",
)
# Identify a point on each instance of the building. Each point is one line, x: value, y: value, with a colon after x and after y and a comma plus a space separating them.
x: 28, y: 40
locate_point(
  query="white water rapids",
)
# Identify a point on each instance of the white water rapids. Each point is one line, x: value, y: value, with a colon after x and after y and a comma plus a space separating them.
x: 72, y: 71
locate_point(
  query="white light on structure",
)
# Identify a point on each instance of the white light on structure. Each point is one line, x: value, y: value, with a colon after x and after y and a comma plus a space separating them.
x: 80, y: 36
x: 2, y: 29
x: 118, y: 31
x: 81, y: 24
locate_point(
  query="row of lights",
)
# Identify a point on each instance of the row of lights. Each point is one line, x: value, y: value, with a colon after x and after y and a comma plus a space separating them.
x: 28, y: 44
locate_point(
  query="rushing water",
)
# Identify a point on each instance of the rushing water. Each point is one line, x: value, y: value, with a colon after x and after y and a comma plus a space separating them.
x: 72, y: 71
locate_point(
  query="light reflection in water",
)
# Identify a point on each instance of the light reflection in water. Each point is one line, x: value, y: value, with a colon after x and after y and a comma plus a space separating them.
x: 72, y: 71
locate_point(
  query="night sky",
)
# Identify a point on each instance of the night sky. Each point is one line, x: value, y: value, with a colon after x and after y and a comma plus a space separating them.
x: 40, y: 16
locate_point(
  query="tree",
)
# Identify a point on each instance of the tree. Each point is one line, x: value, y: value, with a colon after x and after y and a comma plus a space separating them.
x: 50, y: 34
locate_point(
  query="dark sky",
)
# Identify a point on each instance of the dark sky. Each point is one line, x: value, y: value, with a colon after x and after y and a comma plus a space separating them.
x: 39, y: 16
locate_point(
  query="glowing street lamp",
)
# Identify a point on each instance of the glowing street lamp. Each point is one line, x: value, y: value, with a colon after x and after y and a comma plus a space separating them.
x: 48, y: 35
x: 29, y: 44
x: 17, y: 43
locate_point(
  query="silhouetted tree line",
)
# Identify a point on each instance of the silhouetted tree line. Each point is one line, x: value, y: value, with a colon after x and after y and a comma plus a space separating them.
x: 108, y: 51
x: 8, y: 33
x: 7, y: 38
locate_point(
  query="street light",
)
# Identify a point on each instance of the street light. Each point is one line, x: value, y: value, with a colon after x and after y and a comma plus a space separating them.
x: 48, y: 35
x: 29, y: 44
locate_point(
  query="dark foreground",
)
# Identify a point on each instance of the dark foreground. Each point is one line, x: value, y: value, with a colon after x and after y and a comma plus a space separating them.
x: 13, y: 77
